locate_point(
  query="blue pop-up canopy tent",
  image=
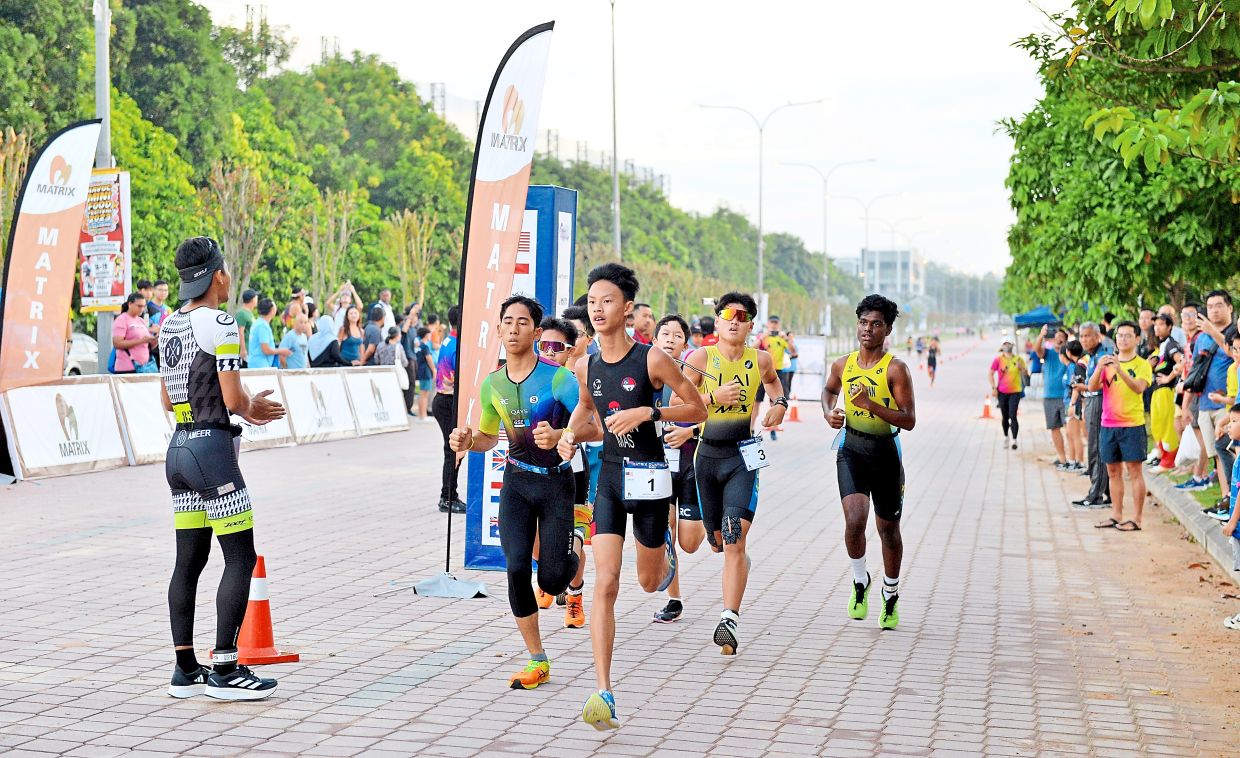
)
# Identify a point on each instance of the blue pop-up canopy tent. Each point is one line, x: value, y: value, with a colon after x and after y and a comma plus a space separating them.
x: 1036, y: 317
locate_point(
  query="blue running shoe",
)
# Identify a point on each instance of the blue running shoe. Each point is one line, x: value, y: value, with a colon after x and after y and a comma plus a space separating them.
x: 600, y: 711
x: 671, y: 561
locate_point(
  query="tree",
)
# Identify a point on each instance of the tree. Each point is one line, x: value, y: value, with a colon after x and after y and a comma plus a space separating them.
x: 255, y: 50
x: 329, y: 232
x: 247, y: 212
x: 14, y: 155
x: 407, y: 236
x: 45, y: 57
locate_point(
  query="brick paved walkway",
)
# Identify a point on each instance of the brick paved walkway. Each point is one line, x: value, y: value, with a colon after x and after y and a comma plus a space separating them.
x: 1018, y: 636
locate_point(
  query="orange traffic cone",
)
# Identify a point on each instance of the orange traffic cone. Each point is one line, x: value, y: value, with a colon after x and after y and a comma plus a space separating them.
x: 986, y: 408
x: 256, y: 643
x: 792, y: 410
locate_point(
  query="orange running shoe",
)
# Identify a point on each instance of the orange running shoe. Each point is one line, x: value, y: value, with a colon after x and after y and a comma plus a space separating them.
x: 574, y: 611
x: 544, y: 600
x: 534, y: 674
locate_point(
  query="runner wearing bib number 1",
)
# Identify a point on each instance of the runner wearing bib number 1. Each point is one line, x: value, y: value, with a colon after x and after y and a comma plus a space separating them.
x: 878, y: 403
x: 621, y: 384
x: 728, y: 375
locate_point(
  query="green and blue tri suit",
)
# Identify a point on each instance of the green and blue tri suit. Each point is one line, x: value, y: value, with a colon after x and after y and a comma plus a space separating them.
x: 538, y: 485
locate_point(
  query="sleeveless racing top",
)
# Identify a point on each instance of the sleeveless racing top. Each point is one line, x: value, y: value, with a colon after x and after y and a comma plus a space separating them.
x: 548, y: 394
x: 686, y: 450
x: 874, y: 379
x: 731, y: 423
x: 194, y: 346
x: 617, y: 387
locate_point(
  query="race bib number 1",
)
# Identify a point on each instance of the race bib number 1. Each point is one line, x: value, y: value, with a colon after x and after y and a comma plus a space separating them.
x: 753, y: 454
x: 647, y: 480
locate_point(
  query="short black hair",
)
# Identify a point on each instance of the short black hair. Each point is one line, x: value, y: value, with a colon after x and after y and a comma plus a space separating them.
x: 1170, y: 322
x: 144, y: 284
x: 194, y: 251
x: 582, y: 301
x: 296, y: 288
x: 642, y: 305
x: 265, y: 306
x: 1060, y: 329
x: 740, y: 298
x: 1194, y: 305
x: 563, y: 326
x: 772, y: 318
x: 134, y: 296
x: 618, y: 274
x: 1074, y: 349
x: 1145, y: 308
x: 454, y: 317
x: 376, y: 313
x: 1136, y: 330
x: 673, y: 318
x: 531, y: 305
x: 1235, y: 408
x: 248, y: 295
x: 1108, y: 317
x: 708, y: 324
x: 160, y: 281
x: 876, y: 302
x: 1219, y: 293
x: 422, y: 332
x: 579, y: 313
x: 433, y: 318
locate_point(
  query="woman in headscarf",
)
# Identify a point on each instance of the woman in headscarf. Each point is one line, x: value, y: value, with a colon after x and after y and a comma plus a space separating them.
x: 323, y: 348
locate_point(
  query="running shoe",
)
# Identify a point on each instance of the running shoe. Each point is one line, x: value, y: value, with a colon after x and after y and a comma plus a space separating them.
x: 1232, y: 622
x: 1061, y: 466
x: 543, y: 599
x: 574, y: 611
x: 859, y: 602
x: 239, y: 684
x: 1220, y: 514
x: 670, y: 612
x: 561, y: 599
x: 600, y: 711
x: 1194, y: 484
x: 534, y: 674
x: 671, y: 561
x: 725, y: 637
x: 890, y: 617
x: 188, y: 685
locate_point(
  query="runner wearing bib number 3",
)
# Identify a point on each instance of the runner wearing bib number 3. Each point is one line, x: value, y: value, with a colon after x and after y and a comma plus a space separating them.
x: 621, y: 384
x: 728, y: 375
x: 878, y: 403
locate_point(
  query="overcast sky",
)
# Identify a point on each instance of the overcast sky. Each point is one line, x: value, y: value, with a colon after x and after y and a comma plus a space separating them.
x: 916, y: 86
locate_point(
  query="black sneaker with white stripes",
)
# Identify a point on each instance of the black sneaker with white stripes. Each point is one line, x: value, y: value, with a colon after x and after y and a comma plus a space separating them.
x: 239, y: 684
x: 188, y: 685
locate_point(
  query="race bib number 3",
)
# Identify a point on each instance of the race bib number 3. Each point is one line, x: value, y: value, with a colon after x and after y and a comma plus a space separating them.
x: 753, y: 454
x: 647, y: 480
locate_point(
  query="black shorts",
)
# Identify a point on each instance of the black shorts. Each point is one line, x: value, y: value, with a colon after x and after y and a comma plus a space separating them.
x: 871, y: 466
x: 205, y: 480
x: 726, y: 487
x: 685, y: 494
x: 1122, y: 444
x: 611, y: 510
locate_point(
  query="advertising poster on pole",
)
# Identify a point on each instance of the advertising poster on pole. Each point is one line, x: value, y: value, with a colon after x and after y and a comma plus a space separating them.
x: 105, y: 273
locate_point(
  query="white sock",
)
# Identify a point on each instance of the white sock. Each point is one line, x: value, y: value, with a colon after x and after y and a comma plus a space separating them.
x: 732, y: 616
x: 858, y: 568
x: 890, y: 587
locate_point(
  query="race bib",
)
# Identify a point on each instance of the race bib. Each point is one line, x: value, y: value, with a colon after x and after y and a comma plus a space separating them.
x: 753, y: 454
x: 579, y: 463
x: 673, y: 457
x: 647, y: 480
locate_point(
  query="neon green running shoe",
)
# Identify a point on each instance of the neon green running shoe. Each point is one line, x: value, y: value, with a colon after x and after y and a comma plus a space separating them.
x: 859, y: 603
x: 890, y: 617
x: 600, y: 711
x: 534, y: 674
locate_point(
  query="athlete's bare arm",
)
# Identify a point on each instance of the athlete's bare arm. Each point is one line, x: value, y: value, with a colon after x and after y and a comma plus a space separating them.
x: 774, y: 389
x: 581, y: 426
x: 256, y: 409
x: 726, y: 394
x: 900, y: 381
x: 831, y: 394
x: 163, y: 396
x: 663, y: 370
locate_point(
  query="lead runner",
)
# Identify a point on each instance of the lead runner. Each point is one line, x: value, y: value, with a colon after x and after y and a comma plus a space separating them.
x: 869, y: 465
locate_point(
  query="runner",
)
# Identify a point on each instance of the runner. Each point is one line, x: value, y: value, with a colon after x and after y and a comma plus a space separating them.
x: 680, y: 444
x: 1012, y: 374
x: 201, y: 383
x: 558, y: 342
x: 878, y: 404
x: 932, y: 358
x: 775, y: 343
x: 532, y: 399
x: 729, y: 455
x: 624, y: 378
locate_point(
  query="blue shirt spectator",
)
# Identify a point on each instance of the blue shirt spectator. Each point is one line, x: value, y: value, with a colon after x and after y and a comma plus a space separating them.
x: 1053, y: 373
x: 1216, y: 377
x: 260, y: 334
x: 295, y: 343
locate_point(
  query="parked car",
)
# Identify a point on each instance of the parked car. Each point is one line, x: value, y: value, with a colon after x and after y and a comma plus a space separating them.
x: 82, y: 357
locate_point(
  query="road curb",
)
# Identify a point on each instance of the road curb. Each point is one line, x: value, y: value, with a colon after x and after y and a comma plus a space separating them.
x: 1188, y: 511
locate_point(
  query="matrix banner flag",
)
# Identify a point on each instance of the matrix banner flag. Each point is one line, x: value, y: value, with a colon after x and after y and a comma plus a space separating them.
x: 505, y: 149
x: 104, y: 263
x: 42, y: 258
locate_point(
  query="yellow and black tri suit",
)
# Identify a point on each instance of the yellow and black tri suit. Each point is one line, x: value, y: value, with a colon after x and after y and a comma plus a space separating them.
x: 868, y: 460
x: 727, y: 489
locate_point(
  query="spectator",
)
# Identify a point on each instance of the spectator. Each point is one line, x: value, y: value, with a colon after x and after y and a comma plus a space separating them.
x: 245, y: 320
x: 1147, y: 342
x: 156, y: 309
x: 263, y: 351
x: 1211, y: 347
x: 708, y: 331
x: 1231, y: 527
x: 312, y: 311
x: 1177, y: 333
x: 1122, y: 378
x: 1188, y: 401
x: 1099, y: 486
x: 350, y: 336
x: 1222, y: 442
x: 424, y: 372
x: 1008, y: 374
x: 391, y: 353
x: 1108, y: 318
x: 132, y: 339
x: 643, y: 323
x: 385, y: 302
x: 147, y: 289
x: 443, y: 409
x: 695, y: 336
x: 436, y: 330
x: 1053, y: 389
x: 296, y: 305
x: 341, y: 299
x: 373, y: 336
x: 1074, y: 379
x: 1166, y: 361
x: 323, y: 348
x: 296, y: 341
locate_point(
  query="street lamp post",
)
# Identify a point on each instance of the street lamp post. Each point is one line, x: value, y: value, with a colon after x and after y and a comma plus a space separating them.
x: 615, y: 153
x: 761, y: 125
x: 866, y: 205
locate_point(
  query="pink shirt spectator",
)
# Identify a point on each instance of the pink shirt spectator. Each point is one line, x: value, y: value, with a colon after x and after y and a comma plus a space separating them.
x: 128, y: 327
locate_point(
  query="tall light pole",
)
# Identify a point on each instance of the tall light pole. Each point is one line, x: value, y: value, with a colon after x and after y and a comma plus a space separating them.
x: 615, y: 153
x: 866, y: 205
x: 103, y: 151
x: 761, y: 124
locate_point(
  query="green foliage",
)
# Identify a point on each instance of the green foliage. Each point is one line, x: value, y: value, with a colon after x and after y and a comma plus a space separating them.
x: 45, y: 52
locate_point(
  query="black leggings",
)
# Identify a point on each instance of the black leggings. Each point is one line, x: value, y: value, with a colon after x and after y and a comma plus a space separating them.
x: 441, y: 409
x: 532, y: 502
x: 193, y: 547
x: 1008, y: 403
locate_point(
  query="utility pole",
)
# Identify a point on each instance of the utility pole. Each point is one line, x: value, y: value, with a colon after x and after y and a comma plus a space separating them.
x: 615, y: 150
x: 103, y: 152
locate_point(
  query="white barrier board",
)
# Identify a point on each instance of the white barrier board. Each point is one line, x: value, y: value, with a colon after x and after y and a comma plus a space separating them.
x: 318, y: 405
x: 147, y: 425
x: 378, y: 401
x: 273, y: 433
x: 64, y: 428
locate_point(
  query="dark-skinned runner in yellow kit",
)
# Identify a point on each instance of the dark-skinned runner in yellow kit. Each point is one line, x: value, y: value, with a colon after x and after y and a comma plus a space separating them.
x: 878, y: 404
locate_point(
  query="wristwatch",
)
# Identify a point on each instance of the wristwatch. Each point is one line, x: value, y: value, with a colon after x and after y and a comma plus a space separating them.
x: 656, y: 413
